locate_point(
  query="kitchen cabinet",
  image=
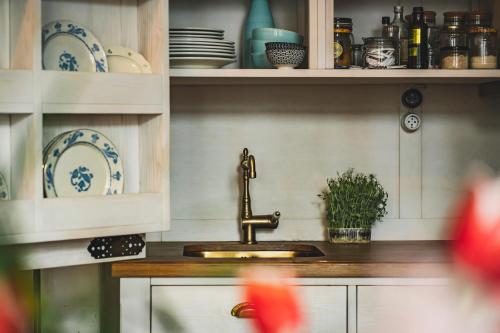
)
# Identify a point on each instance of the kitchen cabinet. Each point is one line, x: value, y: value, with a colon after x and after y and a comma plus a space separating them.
x: 330, y: 304
x: 208, y: 308
x: 36, y: 105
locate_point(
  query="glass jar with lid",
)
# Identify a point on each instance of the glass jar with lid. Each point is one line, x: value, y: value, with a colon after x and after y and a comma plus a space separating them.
x: 357, y: 55
x: 454, y: 33
x: 342, y: 43
x: 454, y: 58
x: 479, y: 19
x: 379, y: 52
x: 483, y: 48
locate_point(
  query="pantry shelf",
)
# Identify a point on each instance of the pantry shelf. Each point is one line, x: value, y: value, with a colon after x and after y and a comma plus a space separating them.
x: 102, y: 93
x: 326, y: 76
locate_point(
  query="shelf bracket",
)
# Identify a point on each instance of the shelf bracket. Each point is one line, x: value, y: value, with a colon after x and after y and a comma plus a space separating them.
x: 119, y: 246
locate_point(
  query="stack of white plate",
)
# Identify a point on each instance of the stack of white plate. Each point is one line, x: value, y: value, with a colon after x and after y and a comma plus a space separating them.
x: 200, y: 48
x: 81, y: 162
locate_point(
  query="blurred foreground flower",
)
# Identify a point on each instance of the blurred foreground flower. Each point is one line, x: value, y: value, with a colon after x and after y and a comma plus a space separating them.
x: 476, y: 232
x: 276, y: 304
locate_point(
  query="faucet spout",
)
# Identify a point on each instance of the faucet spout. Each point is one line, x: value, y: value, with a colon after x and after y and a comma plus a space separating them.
x: 249, y: 222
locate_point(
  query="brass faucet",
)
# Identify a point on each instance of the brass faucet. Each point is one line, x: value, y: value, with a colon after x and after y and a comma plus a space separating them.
x: 249, y: 222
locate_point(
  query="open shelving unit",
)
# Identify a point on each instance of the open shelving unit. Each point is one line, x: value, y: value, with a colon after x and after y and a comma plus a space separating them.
x: 131, y: 109
x: 318, y: 20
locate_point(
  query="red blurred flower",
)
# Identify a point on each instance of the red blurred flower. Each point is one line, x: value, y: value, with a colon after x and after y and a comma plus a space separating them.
x: 12, y: 314
x: 276, y: 304
x: 477, y: 233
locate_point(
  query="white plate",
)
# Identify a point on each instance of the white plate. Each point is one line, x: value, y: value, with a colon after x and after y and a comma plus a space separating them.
x: 125, y: 60
x: 200, y: 41
x: 202, y: 47
x: 199, y: 63
x: 196, y: 29
x: 4, y: 189
x: 197, y: 33
x: 82, y: 162
x: 201, y: 54
x: 216, y: 38
x: 68, y: 46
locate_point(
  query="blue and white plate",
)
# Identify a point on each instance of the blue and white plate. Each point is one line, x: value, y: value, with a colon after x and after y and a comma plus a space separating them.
x: 82, y: 162
x: 67, y: 46
x: 4, y: 188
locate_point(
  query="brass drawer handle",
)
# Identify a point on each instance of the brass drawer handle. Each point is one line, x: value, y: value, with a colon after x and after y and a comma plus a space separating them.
x: 243, y: 310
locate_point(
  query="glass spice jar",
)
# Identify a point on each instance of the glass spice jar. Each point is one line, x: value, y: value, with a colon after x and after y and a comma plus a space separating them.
x: 453, y: 33
x: 357, y: 55
x: 454, y: 58
x: 343, y: 40
x: 379, y: 52
x: 479, y: 19
x: 483, y: 48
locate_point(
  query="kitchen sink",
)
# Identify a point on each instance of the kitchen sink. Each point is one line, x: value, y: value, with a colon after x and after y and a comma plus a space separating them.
x: 244, y: 251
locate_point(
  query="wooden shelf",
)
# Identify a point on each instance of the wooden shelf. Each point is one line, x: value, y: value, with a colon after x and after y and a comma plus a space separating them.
x: 101, y: 93
x: 16, y: 91
x: 328, y: 76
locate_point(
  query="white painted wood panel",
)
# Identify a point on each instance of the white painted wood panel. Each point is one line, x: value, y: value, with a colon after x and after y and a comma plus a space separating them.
x: 104, y: 88
x: 67, y: 214
x: 459, y: 129
x: 16, y: 86
x: 302, y: 230
x: 135, y: 305
x: 208, y: 308
x: 415, y: 309
x: 17, y: 216
x: 299, y: 136
x: 62, y: 254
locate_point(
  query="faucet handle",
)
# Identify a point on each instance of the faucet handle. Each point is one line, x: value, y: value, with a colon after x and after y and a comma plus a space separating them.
x: 251, y: 166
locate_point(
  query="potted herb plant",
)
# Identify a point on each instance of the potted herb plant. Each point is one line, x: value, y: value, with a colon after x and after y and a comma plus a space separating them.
x: 354, y: 202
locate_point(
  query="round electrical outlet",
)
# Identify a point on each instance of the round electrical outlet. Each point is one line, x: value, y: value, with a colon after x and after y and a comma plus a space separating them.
x: 411, y: 122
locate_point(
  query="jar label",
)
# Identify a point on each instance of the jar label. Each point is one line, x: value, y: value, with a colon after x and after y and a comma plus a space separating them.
x: 415, y: 36
x: 338, y: 49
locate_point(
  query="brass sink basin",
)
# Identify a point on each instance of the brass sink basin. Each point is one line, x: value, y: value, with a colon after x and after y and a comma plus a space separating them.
x: 244, y: 251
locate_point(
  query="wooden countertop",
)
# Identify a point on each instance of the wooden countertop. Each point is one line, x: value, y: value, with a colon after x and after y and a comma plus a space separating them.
x: 377, y: 259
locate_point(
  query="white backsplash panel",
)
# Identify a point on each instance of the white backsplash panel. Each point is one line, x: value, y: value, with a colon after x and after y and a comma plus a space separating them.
x: 300, y: 135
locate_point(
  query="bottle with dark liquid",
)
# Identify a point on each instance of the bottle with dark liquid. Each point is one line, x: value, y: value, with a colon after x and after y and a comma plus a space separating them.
x: 417, y: 41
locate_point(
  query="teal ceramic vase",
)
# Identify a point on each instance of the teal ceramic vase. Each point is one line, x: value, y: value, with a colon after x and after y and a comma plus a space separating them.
x: 259, y: 16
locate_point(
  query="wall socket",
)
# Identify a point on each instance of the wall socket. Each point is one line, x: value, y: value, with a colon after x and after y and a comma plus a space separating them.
x: 411, y: 122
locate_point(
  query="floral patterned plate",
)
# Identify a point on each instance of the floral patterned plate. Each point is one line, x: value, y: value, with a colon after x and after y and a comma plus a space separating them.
x: 67, y: 46
x: 82, y: 162
x: 124, y: 60
x: 4, y: 189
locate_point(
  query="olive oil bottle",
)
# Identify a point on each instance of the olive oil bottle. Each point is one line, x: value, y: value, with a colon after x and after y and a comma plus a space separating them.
x: 417, y: 41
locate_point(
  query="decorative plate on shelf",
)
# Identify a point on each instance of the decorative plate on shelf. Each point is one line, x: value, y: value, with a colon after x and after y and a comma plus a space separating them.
x: 199, y: 62
x: 178, y: 54
x: 4, y: 188
x: 125, y: 60
x: 201, y: 46
x: 186, y: 40
x: 67, y: 46
x: 82, y: 162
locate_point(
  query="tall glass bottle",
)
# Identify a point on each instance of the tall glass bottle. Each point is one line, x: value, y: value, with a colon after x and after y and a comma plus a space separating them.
x: 391, y: 32
x: 417, y: 41
x: 402, y: 34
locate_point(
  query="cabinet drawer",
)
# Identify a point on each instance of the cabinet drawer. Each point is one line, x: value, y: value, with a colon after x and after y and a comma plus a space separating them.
x: 398, y: 308
x: 208, y: 308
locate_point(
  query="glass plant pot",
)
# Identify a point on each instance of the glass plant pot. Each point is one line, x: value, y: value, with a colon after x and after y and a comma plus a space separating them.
x: 349, y: 235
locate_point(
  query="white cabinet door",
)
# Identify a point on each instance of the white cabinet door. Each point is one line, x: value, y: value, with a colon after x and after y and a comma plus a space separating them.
x: 208, y: 309
x: 386, y: 309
